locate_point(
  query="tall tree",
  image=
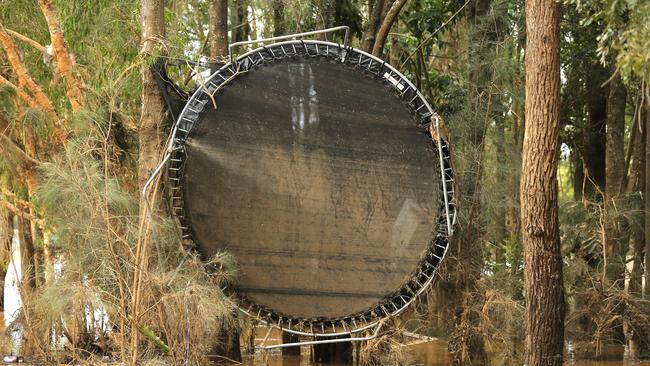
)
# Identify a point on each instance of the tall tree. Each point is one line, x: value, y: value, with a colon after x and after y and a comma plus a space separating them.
x: 647, y: 201
x: 386, y: 25
x: 615, y: 173
x: 543, y: 280
x: 278, y: 17
x: 374, y: 20
x: 150, y: 138
x: 218, y: 25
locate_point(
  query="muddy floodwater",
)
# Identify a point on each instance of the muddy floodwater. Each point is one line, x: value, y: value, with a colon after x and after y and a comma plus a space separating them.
x: 425, y: 353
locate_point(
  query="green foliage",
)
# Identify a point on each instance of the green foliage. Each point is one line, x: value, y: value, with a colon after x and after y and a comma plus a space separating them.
x: 625, y: 27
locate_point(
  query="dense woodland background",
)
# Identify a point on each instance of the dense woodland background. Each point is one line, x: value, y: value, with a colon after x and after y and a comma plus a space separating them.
x: 82, y: 125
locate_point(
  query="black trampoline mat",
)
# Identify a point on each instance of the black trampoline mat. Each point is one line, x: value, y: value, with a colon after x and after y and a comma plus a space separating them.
x: 315, y: 177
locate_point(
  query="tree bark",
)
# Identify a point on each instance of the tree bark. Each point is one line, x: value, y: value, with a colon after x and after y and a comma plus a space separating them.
x: 218, y: 35
x: 615, y: 173
x: 150, y: 133
x: 543, y: 281
x: 325, y: 16
x: 386, y: 25
x: 150, y: 138
x: 339, y: 353
x: 278, y: 18
x: 64, y: 60
x: 647, y: 204
x: 290, y: 338
x: 374, y: 20
x: 594, y: 137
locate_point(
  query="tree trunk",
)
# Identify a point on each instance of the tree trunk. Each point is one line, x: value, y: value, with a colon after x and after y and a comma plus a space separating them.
x: 278, y: 18
x: 290, y: 338
x: 150, y: 138
x: 218, y: 41
x: 386, y: 25
x: 646, y: 290
x: 150, y: 133
x: 594, y: 139
x: 636, y: 186
x: 374, y: 20
x: 543, y: 281
x: 339, y: 353
x: 325, y: 16
x: 615, y: 172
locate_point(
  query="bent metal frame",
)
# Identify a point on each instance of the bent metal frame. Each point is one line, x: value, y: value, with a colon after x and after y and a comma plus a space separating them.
x: 355, y: 327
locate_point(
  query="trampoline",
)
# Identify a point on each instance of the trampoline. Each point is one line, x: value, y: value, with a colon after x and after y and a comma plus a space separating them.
x: 313, y: 164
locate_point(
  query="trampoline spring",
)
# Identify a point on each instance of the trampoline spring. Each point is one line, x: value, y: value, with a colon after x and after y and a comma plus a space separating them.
x: 193, y: 110
x: 420, y: 107
x: 294, y: 49
x: 175, y: 178
x: 333, y: 327
x: 353, y: 322
x: 437, y: 257
x: 322, y: 325
x: 186, y: 236
x: 317, y: 52
x: 440, y: 246
x: 414, y: 98
x: 272, y: 54
x: 408, y: 87
x: 175, y: 160
x: 283, y: 51
x: 369, y: 65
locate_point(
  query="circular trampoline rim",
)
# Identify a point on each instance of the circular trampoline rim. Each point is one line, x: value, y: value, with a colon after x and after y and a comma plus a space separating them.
x: 449, y: 214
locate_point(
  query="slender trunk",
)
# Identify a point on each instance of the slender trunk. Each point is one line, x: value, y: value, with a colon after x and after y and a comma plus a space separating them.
x: 290, y: 338
x: 218, y: 24
x: 325, y: 15
x: 339, y: 353
x: 387, y: 24
x: 594, y: 136
x: 636, y: 186
x: 374, y: 20
x: 278, y: 18
x: 151, y: 138
x: 543, y: 281
x: 646, y: 290
x: 615, y: 165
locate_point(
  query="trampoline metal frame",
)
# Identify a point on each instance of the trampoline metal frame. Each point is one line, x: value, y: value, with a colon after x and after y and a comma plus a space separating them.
x: 428, y: 120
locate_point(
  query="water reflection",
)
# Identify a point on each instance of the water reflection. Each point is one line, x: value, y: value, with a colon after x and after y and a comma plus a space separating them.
x: 425, y: 353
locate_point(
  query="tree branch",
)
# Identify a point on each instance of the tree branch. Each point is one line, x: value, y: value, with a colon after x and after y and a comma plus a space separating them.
x: 382, y: 34
x: 26, y: 39
x: 62, y: 56
x: 21, y: 94
x: 22, y: 75
x: 8, y: 143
